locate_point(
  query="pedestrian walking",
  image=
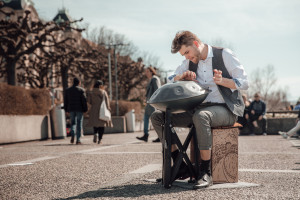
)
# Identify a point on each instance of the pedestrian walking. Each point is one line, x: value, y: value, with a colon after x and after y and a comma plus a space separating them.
x: 153, y: 85
x: 95, y: 99
x: 75, y: 103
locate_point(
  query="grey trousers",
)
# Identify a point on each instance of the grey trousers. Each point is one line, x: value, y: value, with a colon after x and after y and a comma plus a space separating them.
x: 203, y: 118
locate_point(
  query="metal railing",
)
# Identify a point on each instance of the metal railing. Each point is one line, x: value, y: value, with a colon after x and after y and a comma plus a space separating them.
x: 282, y: 112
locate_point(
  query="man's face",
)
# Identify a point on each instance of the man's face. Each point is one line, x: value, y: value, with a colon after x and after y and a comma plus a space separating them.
x: 191, y: 53
x: 256, y: 97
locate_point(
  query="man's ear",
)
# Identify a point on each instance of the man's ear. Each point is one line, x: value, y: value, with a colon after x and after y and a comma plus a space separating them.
x: 196, y: 43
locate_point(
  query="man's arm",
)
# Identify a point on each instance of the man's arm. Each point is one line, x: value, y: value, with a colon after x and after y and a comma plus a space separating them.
x: 264, y: 109
x: 188, y: 76
x: 181, y: 69
x: 219, y: 80
x: 154, y: 84
x: 66, y: 101
x: 235, y: 69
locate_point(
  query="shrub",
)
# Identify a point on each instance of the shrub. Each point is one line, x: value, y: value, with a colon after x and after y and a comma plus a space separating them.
x: 15, y: 100
x: 125, y: 106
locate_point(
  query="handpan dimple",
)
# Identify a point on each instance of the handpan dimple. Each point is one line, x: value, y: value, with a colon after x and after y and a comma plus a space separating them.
x: 178, y: 90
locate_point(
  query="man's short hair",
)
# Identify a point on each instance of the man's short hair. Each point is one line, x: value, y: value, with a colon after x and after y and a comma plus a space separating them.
x: 76, y: 81
x: 183, y: 38
x: 257, y: 94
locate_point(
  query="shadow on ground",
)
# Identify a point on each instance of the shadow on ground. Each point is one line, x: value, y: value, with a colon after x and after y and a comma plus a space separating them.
x: 137, y: 190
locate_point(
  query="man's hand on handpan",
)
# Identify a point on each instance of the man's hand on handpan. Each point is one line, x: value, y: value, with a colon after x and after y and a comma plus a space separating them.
x: 187, y: 76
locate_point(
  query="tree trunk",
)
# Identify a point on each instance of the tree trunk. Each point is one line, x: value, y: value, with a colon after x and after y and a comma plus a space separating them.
x: 64, y: 78
x: 11, y: 73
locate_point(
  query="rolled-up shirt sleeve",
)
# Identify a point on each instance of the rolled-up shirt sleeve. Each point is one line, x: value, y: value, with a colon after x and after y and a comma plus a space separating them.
x: 179, y: 70
x: 235, y: 69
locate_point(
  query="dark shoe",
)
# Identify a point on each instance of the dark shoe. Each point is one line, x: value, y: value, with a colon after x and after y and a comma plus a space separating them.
x: 78, y: 142
x: 156, y: 140
x: 204, y: 181
x: 183, y: 172
x: 72, y: 140
x: 95, y: 138
x: 99, y: 142
x: 158, y: 180
x: 144, y: 138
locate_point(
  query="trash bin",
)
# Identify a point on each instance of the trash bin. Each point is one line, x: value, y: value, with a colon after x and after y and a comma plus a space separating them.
x: 58, y: 122
x: 130, y: 121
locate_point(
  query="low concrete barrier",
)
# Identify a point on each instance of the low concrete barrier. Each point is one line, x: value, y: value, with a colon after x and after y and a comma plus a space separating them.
x: 273, y: 126
x: 119, y: 123
x: 20, y: 128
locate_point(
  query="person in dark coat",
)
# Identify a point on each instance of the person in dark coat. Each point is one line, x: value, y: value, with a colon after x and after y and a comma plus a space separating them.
x: 75, y: 103
x: 95, y: 98
x: 152, y: 86
x: 257, y: 111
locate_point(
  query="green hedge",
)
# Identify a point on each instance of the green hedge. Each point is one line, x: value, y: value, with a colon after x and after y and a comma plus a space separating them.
x: 15, y: 100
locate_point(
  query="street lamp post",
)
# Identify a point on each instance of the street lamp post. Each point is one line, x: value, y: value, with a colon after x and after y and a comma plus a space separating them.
x: 109, y: 75
x: 116, y: 72
x: 116, y: 81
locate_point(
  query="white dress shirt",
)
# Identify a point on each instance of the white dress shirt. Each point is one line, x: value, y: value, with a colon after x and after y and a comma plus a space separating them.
x: 205, y: 74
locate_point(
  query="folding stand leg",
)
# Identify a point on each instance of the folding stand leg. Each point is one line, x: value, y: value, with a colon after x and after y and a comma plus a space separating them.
x: 194, y: 155
x: 196, y: 152
x: 182, y: 152
x: 166, y: 144
x: 168, y: 172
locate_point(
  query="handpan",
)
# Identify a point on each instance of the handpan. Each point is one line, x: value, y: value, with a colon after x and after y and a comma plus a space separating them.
x: 179, y: 96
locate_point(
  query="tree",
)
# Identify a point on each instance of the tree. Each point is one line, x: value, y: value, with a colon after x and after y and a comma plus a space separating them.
x: 24, y: 37
x: 130, y: 73
x: 263, y: 80
x: 103, y: 35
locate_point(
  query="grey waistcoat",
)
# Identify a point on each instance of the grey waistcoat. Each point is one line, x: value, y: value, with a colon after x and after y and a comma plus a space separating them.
x: 233, y: 100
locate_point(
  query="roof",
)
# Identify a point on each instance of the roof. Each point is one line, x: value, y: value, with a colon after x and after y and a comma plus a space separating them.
x: 63, y: 16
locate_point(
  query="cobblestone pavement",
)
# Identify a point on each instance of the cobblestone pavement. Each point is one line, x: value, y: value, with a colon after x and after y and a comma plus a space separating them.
x: 121, y: 167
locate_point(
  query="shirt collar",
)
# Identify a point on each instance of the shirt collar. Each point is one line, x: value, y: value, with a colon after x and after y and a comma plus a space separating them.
x: 209, y: 53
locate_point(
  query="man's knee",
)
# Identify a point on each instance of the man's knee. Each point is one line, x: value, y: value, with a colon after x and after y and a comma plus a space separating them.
x: 157, y: 116
x: 263, y: 119
x: 201, y: 117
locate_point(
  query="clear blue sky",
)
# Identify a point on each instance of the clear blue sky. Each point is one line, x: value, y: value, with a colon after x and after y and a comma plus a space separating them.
x: 260, y: 32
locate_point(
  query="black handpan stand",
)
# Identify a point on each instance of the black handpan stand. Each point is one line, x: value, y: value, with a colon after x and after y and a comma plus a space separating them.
x: 169, y: 172
x: 177, y: 97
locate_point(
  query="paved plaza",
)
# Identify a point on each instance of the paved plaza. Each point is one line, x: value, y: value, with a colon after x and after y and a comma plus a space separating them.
x: 125, y: 168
